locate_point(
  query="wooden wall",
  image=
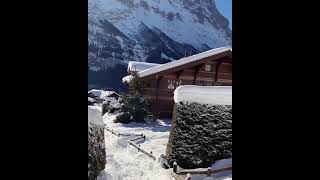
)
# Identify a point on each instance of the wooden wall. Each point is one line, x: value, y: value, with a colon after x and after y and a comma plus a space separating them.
x: 162, y: 102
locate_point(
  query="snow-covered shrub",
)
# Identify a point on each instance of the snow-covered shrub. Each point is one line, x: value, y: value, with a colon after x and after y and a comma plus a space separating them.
x: 200, y: 134
x: 138, y: 115
x: 96, y: 144
x: 136, y: 105
x: 123, y: 117
x: 105, y: 107
x: 113, y: 109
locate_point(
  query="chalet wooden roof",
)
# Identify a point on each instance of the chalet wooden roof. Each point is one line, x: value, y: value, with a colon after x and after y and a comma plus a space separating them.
x: 91, y: 99
x: 186, y: 62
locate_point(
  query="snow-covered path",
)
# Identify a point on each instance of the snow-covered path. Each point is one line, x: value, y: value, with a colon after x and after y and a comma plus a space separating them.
x: 124, y: 162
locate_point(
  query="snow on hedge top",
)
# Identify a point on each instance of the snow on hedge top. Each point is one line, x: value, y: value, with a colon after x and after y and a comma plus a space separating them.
x: 140, y: 66
x: 183, y: 61
x: 94, y: 117
x: 218, y: 95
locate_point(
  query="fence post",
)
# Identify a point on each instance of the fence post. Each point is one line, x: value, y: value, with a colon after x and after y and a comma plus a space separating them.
x: 175, y: 167
x: 209, y: 171
x: 188, y: 176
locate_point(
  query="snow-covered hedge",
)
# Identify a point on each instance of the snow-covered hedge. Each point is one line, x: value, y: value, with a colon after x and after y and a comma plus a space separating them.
x: 201, y: 127
x: 96, y: 143
x: 219, y: 95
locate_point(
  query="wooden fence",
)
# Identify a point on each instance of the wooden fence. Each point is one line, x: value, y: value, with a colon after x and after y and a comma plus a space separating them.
x: 177, y: 175
x: 143, y: 151
x: 199, y: 171
x: 122, y: 134
x: 131, y: 141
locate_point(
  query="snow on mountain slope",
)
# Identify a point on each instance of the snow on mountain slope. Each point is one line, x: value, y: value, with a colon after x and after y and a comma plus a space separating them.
x: 193, y: 22
x: 156, y: 31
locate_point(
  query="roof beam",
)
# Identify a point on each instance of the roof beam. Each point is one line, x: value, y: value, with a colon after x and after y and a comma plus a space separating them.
x: 196, y: 70
x: 158, y: 79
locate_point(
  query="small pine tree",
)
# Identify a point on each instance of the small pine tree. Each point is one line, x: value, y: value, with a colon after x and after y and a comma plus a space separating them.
x: 135, y: 85
x: 133, y: 102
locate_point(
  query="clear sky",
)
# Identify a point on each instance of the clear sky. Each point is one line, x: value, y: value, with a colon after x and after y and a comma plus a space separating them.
x: 225, y: 8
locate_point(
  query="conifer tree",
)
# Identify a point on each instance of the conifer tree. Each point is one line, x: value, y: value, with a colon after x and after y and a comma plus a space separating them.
x: 133, y: 102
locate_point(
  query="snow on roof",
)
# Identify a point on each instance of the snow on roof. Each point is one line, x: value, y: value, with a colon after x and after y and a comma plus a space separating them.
x: 101, y: 93
x: 126, y: 79
x: 91, y: 99
x: 140, y: 66
x: 218, y: 95
x: 113, y: 93
x: 183, y: 61
x: 95, y: 92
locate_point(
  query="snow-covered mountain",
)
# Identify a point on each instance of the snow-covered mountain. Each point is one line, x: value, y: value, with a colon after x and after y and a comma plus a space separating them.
x: 155, y: 31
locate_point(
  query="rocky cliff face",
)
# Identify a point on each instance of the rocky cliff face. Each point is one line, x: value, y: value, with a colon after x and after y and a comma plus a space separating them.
x: 154, y: 31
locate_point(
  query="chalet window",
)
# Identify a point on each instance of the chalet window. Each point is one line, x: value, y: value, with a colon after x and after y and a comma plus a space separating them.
x: 146, y: 84
x: 171, y: 84
x: 208, y: 67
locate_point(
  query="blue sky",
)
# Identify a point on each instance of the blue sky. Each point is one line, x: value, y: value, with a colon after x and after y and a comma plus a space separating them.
x: 225, y: 8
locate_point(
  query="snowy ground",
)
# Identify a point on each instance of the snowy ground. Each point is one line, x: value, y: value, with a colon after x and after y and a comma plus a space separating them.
x: 124, y: 162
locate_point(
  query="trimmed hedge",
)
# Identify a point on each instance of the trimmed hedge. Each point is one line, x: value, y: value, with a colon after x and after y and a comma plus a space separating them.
x: 96, y: 151
x: 200, y: 134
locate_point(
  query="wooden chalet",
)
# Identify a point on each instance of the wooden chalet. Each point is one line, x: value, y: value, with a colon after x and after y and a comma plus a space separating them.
x: 113, y: 95
x: 91, y: 101
x: 92, y: 95
x: 101, y: 95
x: 210, y: 68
